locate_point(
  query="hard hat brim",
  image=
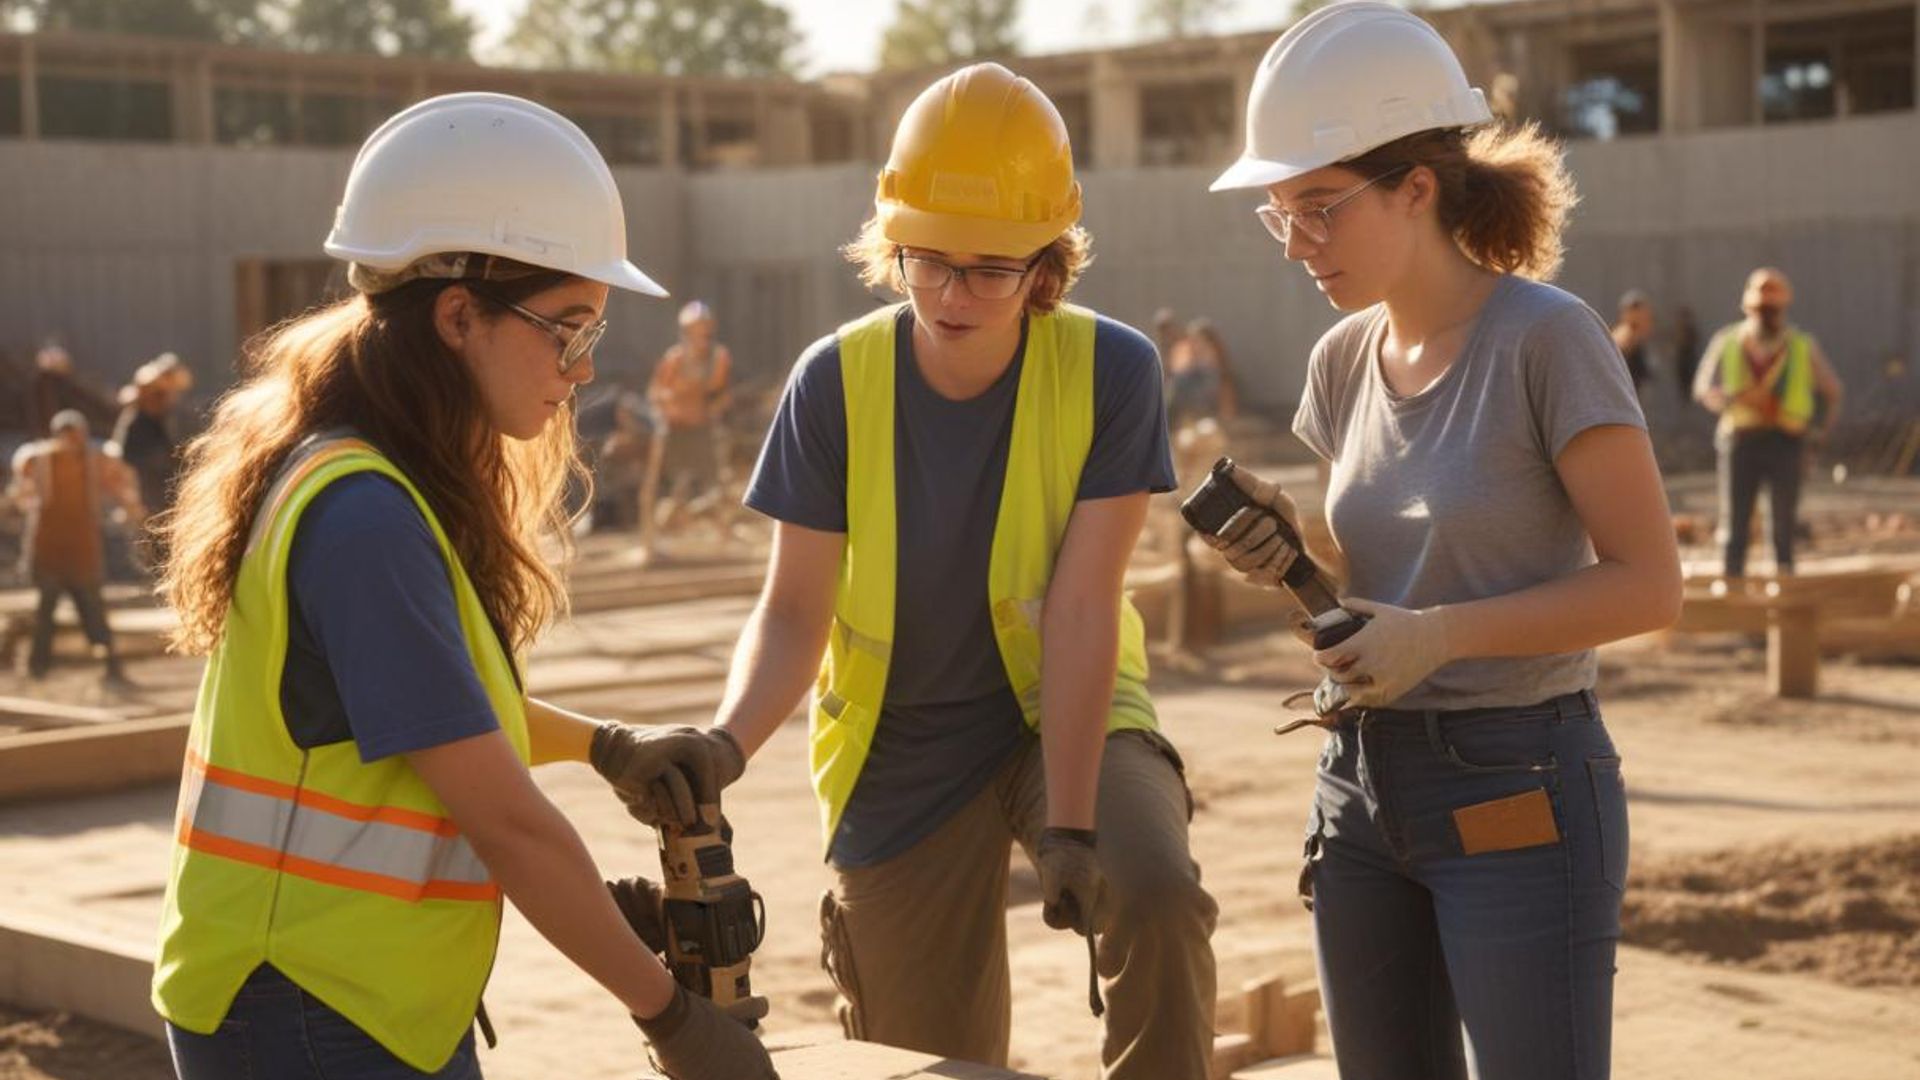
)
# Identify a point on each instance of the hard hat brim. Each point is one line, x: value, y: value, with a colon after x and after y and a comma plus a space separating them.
x: 625, y: 275
x: 1252, y: 172
x: 960, y: 234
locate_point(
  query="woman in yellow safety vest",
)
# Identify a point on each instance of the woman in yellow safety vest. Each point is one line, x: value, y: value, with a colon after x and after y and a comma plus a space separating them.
x: 1496, y: 513
x: 356, y: 548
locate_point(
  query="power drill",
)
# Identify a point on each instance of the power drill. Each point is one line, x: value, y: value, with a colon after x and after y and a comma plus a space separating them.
x: 1208, y: 510
x: 714, y: 920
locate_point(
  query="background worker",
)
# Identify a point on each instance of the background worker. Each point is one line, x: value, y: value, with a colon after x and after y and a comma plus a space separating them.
x: 1777, y: 397
x: 690, y: 391
x: 1632, y: 333
x: 1496, y: 512
x: 957, y: 483
x: 146, y: 431
x: 359, y: 545
x: 1200, y: 378
x: 64, y: 481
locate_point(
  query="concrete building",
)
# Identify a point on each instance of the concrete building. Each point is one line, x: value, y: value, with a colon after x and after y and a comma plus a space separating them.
x: 168, y: 195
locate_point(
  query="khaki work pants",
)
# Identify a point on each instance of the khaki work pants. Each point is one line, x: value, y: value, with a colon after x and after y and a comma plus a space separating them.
x: 917, y: 945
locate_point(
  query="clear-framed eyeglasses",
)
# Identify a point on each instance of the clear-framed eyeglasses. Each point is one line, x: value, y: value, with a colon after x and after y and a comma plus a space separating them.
x: 984, y: 282
x: 1315, y: 222
x: 576, y: 342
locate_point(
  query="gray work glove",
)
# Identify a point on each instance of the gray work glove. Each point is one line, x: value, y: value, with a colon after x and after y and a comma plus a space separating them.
x: 1073, y: 891
x: 644, y: 905
x: 1250, y: 540
x: 694, y: 1039
x: 663, y: 774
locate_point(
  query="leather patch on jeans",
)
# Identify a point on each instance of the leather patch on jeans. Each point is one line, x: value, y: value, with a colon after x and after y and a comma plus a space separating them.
x: 1517, y: 821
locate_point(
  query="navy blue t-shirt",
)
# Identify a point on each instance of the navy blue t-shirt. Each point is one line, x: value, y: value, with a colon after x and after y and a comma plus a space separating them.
x: 375, y: 652
x: 950, y: 718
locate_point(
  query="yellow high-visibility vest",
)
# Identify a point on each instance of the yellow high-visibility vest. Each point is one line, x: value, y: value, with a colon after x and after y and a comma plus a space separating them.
x: 1052, y: 433
x: 1790, y: 381
x: 349, y: 878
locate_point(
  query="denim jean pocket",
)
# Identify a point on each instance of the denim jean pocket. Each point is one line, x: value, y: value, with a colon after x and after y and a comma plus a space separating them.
x: 1517, y: 745
x: 1610, y: 810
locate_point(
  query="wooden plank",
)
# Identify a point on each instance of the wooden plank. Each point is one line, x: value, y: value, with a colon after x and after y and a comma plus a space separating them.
x: 1282, y: 1017
x: 65, y: 969
x: 1297, y: 1067
x: 34, y: 715
x: 1793, y: 651
x: 104, y: 757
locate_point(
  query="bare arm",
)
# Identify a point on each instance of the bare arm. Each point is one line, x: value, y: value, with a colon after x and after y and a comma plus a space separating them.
x: 1080, y: 651
x: 542, y: 865
x: 556, y: 734
x: 781, y: 644
x: 1611, y: 477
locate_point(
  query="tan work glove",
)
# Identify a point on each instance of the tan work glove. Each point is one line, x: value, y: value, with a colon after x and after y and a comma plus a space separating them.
x: 1072, y: 889
x: 1250, y: 540
x: 694, y: 1039
x: 1391, y: 655
x: 663, y: 774
x: 644, y: 905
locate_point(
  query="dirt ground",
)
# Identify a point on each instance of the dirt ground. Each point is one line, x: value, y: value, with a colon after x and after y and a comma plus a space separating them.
x: 1772, y: 912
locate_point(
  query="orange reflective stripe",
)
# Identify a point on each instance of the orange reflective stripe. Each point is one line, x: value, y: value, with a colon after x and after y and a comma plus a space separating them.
x: 386, y: 815
x: 398, y: 888
x: 251, y: 819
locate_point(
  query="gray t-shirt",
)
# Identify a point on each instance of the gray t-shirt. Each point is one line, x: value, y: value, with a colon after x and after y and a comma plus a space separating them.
x: 950, y: 719
x: 1450, y: 495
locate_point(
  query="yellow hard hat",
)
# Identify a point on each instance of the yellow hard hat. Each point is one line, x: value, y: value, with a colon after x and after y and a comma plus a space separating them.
x: 981, y: 165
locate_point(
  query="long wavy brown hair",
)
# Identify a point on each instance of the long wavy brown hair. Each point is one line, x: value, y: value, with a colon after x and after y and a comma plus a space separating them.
x: 376, y: 364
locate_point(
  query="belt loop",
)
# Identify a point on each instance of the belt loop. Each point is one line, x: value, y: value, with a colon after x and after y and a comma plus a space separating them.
x: 1431, y: 717
x: 1563, y: 709
x: 1592, y: 702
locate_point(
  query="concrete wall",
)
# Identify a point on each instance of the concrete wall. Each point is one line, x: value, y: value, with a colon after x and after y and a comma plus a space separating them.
x: 128, y: 250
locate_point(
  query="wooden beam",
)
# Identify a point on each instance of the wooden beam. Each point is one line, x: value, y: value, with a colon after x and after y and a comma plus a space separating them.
x: 68, y: 969
x: 103, y: 757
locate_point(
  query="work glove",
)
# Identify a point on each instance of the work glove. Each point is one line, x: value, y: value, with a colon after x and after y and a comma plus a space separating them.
x: 1391, y: 655
x: 644, y: 905
x: 1072, y: 889
x: 663, y: 774
x: 694, y: 1039
x: 1251, y: 540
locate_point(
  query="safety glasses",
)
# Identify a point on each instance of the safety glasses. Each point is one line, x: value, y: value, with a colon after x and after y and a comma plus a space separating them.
x: 1314, y: 222
x: 984, y: 282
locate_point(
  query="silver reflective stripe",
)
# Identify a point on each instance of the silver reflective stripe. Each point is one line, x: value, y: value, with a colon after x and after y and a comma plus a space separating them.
x: 1030, y: 700
x: 320, y: 836
x: 260, y: 820
x: 375, y: 847
x: 854, y: 639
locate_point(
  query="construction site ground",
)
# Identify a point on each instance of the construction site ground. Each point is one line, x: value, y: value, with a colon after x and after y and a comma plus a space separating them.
x: 1773, y: 917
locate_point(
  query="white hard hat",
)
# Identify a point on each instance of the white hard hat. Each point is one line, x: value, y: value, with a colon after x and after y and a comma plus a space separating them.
x: 487, y: 173
x: 1346, y: 79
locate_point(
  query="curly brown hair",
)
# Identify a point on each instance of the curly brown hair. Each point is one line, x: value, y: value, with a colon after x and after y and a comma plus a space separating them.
x: 377, y: 364
x: 1060, y: 264
x: 1504, y: 191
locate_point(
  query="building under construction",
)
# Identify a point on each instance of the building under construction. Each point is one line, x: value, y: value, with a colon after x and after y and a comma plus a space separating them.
x: 168, y: 195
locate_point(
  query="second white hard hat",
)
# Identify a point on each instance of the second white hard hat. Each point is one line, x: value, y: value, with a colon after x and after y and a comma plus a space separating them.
x: 1346, y: 79
x: 487, y: 173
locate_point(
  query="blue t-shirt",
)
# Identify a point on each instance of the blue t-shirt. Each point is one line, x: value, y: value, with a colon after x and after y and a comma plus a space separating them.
x: 950, y: 718
x: 375, y: 652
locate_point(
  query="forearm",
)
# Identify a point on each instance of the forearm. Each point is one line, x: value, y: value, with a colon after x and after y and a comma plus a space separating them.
x: 1079, y: 658
x: 554, y: 734
x: 1601, y: 603
x: 545, y: 869
x: 773, y: 665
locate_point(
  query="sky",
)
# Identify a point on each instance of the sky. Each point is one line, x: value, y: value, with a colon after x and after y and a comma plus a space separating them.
x: 844, y: 35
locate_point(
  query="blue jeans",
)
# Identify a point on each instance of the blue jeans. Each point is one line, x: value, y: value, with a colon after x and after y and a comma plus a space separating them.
x: 277, y: 1031
x: 1418, y: 940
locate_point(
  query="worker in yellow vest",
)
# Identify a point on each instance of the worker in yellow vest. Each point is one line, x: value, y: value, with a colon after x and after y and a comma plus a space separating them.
x: 1777, y: 398
x: 957, y: 483
x: 357, y: 547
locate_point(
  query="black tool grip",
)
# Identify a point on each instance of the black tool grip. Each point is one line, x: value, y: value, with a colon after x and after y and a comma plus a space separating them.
x: 1218, y: 498
x: 1328, y: 637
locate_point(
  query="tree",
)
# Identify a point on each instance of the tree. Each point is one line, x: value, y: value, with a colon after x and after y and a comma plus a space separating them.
x: 199, y: 20
x: 1180, y: 18
x: 390, y: 27
x: 671, y: 37
x: 939, y: 32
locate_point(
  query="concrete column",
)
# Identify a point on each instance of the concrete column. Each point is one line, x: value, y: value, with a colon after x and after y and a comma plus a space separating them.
x: 697, y: 120
x: 29, y: 90
x: 669, y: 120
x: 193, y: 102
x: 1113, y: 99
